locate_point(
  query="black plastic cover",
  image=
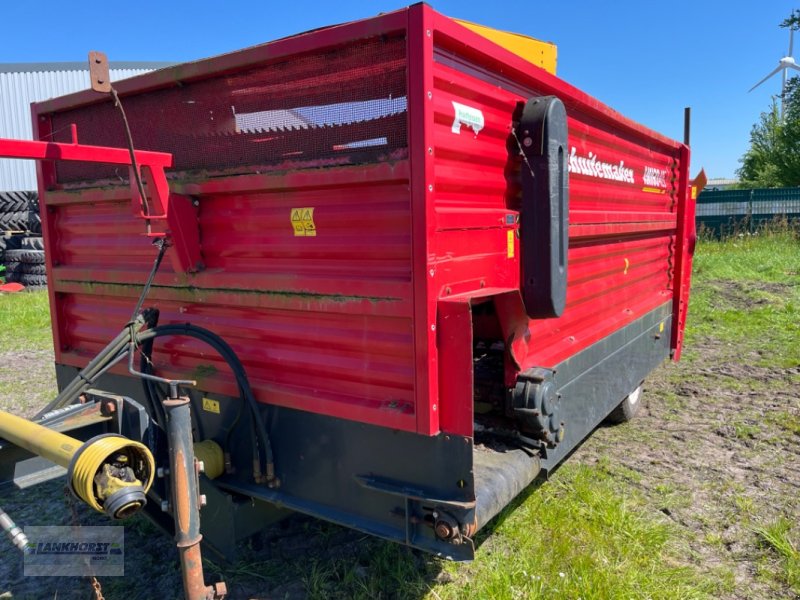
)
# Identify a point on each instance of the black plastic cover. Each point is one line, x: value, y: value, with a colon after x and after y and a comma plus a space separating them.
x: 544, y: 215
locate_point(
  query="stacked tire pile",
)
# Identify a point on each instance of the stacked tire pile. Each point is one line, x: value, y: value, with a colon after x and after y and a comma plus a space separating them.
x: 21, y: 247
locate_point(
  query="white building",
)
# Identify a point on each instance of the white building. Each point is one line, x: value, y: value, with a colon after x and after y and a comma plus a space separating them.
x: 24, y: 83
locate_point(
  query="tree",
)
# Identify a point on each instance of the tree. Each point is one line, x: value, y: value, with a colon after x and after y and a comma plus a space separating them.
x: 773, y: 159
x: 793, y: 21
x: 788, y: 161
x: 760, y: 162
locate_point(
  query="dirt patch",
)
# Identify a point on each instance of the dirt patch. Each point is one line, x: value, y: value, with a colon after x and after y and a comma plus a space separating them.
x: 27, y: 380
x: 715, y: 450
x: 744, y: 295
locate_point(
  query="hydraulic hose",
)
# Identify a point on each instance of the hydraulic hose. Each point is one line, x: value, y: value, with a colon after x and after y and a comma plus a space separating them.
x: 153, y: 395
x: 230, y: 357
x: 14, y: 533
x: 113, y: 352
x: 213, y: 340
x: 149, y: 387
x: 118, y: 349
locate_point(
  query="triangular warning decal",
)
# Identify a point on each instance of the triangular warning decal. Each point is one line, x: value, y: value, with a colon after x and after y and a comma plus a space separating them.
x: 303, y: 222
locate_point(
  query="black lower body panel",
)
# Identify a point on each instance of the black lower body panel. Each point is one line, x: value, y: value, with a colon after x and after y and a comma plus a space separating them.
x: 594, y: 382
x: 388, y: 483
x: 431, y: 493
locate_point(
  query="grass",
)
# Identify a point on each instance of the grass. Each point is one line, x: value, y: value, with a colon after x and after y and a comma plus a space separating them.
x: 24, y: 328
x: 583, y: 534
x: 745, y: 430
x: 579, y: 536
x: 781, y: 537
x: 746, y: 291
x: 25, y: 321
x: 591, y: 531
x: 784, y: 420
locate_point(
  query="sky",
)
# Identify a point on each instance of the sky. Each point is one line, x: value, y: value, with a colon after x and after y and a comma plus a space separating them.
x: 647, y: 60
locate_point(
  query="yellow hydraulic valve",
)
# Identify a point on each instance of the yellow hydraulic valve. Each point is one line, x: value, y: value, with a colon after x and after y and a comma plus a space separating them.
x: 111, y: 473
x: 211, y: 455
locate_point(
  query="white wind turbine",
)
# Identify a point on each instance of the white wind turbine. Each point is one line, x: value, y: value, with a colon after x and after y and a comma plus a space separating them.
x: 784, y: 64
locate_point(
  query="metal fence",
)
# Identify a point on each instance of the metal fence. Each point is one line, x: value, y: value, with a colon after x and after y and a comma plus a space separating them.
x: 724, y: 212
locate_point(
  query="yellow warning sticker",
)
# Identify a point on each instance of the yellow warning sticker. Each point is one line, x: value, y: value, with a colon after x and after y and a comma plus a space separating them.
x: 627, y: 266
x: 661, y: 328
x: 652, y: 190
x: 303, y: 222
x: 510, y: 243
x: 210, y: 405
x: 694, y: 192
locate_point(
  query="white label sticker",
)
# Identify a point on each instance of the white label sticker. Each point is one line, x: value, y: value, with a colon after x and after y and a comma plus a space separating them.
x: 466, y: 115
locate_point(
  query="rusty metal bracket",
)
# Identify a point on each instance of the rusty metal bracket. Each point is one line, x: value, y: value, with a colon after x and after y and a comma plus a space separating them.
x: 99, y: 72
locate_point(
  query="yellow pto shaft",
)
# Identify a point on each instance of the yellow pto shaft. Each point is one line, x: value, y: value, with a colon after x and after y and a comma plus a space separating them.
x: 111, y: 473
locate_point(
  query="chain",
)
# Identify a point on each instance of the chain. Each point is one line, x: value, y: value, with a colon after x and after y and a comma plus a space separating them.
x: 98, y: 592
x: 96, y: 588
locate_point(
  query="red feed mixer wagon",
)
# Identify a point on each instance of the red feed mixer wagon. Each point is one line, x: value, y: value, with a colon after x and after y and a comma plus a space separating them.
x: 406, y: 271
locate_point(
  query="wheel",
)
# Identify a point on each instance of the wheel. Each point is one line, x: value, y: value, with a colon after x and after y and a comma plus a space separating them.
x: 9, y: 242
x: 14, y: 221
x: 33, y: 201
x: 14, y: 201
x: 31, y: 242
x: 628, y: 408
x: 33, y: 257
x: 34, y: 223
x: 29, y: 281
x: 20, y: 268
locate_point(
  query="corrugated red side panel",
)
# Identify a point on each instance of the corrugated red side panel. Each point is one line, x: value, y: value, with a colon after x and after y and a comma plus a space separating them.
x: 622, y: 232
x: 323, y: 322
x: 414, y: 187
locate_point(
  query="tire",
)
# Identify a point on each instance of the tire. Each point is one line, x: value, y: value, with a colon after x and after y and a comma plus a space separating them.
x: 628, y: 408
x: 31, y: 242
x: 15, y: 201
x: 20, y: 268
x: 33, y: 257
x: 15, y: 221
x: 9, y: 242
x: 34, y: 223
x: 29, y: 281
